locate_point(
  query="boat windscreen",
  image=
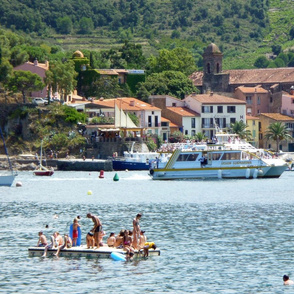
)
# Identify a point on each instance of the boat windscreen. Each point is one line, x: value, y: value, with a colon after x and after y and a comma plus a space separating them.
x: 187, y: 157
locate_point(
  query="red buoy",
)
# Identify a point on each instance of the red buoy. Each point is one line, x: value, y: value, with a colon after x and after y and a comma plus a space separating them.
x: 101, y: 176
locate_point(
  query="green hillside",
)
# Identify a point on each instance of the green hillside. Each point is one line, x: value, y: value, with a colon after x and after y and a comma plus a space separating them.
x: 242, y: 29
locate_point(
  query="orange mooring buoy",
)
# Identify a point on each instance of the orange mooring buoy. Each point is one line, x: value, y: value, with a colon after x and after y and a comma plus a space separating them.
x: 101, y: 176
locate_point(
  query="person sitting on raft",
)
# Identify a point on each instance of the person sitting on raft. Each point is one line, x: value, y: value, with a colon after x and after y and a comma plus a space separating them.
x: 51, y: 245
x: 67, y: 243
x: 42, y: 242
x: 111, y: 240
x: 127, y: 242
x: 119, y: 240
x: 90, y: 239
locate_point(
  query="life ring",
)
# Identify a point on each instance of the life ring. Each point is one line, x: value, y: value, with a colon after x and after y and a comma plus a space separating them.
x: 151, y: 172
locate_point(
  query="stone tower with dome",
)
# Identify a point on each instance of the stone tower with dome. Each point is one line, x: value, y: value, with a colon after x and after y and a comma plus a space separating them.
x: 213, y: 77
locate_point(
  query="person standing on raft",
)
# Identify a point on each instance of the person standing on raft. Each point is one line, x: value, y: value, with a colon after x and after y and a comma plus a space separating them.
x: 97, y: 229
x: 75, y: 232
x: 136, y: 230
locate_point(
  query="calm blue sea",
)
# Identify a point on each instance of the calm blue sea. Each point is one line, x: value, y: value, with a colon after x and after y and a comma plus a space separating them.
x: 216, y: 236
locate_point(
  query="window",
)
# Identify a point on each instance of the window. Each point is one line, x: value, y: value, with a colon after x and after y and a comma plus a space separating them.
x: 258, y: 111
x: 253, y: 122
x: 219, y: 109
x: 258, y: 100
x: 207, y: 109
x: 254, y: 134
x: 217, y: 68
x: 149, y: 121
x: 152, y: 112
x: 231, y: 156
x: 193, y: 133
x: 174, y: 104
x: 232, y: 120
x: 193, y: 123
x: 231, y: 109
x: 205, y: 122
x: 248, y: 99
x: 292, y: 101
x: 186, y: 132
x: 187, y: 157
x: 156, y: 121
x: 208, y: 68
x: 249, y: 110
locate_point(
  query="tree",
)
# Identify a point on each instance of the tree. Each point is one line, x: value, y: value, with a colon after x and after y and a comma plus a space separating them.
x: 261, y: 62
x: 277, y: 131
x: 173, y: 83
x: 25, y: 82
x: 200, y: 137
x: 276, y: 49
x: 86, y: 25
x: 178, y: 59
x: 64, y: 25
x: 106, y: 87
x: 239, y: 128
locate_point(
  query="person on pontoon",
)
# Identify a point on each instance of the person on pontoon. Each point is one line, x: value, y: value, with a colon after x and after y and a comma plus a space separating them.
x: 97, y: 229
x: 147, y: 246
x: 111, y: 240
x: 67, y: 243
x: 42, y: 242
x: 136, y: 230
x: 51, y: 245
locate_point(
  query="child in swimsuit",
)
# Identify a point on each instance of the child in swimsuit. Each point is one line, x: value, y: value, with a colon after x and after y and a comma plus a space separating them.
x: 75, y: 233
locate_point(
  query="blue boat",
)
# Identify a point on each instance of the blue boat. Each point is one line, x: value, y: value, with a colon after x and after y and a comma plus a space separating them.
x: 134, y: 160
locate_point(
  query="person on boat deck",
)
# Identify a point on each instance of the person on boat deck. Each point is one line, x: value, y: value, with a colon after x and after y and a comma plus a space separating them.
x: 90, y: 239
x: 111, y: 240
x: 136, y: 230
x: 67, y: 243
x: 202, y: 161
x: 42, y: 242
x: 75, y: 233
x: 51, y: 245
x: 287, y: 280
x: 97, y: 229
x: 147, y: 246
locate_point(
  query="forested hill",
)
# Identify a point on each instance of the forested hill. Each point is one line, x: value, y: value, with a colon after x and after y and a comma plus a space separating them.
x: 237, y: 26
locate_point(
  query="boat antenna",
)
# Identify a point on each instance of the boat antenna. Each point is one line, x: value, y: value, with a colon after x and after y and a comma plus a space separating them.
x: 5, y: 149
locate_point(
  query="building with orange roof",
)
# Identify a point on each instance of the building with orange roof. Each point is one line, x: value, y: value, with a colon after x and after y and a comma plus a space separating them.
x: 39, y: 69
x: 253, y: 126
x: 265, y: 120
x: 149, y: 116
x: 174, y: 109
x: 257, y: 99
x: 216, y: 109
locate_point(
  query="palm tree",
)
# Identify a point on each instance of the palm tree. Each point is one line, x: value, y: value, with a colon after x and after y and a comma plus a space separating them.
x: 200, y: 137
x: 277, y: 132
x: 239, y: 127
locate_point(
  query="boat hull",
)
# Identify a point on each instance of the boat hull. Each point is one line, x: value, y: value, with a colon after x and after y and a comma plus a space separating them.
x: 123, y: 165
x: 6, y: 180
x: 83, y: 251
x: 44, y: 173
x: 218, y: 173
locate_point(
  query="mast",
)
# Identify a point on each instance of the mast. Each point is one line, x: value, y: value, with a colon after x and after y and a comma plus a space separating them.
x: 5, y: 149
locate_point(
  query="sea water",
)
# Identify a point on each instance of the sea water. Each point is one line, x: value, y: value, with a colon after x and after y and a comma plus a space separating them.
x: 215, y: 236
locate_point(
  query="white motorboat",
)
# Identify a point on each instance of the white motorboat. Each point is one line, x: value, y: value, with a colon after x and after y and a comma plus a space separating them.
x: 216, y: 163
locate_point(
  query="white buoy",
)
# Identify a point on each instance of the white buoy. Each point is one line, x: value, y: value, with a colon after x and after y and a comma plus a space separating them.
x: 18, y: 184
x: 90, y: 192
x: 126, y: 170
x: 255, y: 173
x: 220, y: 174
x: 247, y: 173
